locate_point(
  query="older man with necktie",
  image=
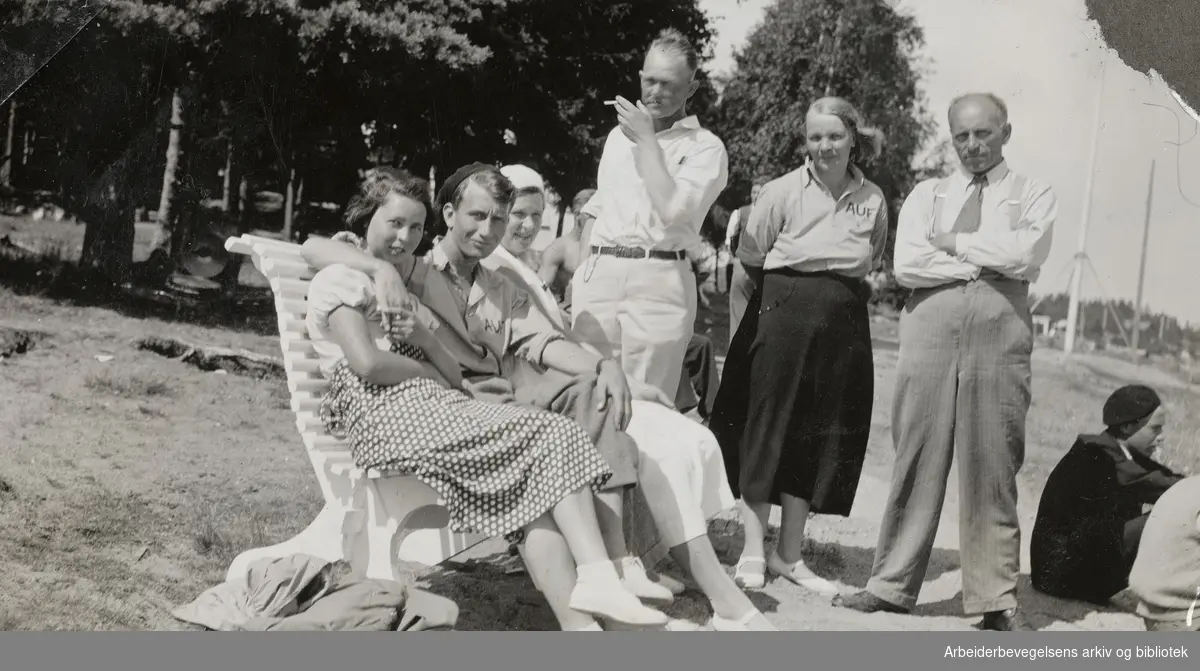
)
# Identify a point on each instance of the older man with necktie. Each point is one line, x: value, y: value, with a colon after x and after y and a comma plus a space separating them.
x: 968, y: 246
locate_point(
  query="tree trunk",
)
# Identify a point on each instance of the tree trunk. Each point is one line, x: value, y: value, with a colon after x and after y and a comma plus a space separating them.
x: 10, y: 146
x: 227, y: 182
x: 167, y: 201
x: 243, y: 206
x: 27, y: 150
x: 289, y: 203
x: 108, y: 241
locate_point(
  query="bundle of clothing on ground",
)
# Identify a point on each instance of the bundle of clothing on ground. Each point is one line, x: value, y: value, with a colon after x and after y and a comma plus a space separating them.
x: 300, y: 593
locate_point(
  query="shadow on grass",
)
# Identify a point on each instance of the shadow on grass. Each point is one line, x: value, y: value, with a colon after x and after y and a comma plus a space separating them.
x: 494, y: 592
x: 1040, y: 610
x: 847, y: 564
x: 249, y: 309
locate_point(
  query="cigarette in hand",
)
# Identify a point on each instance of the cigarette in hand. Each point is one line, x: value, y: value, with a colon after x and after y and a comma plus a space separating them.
x: 610, y: 102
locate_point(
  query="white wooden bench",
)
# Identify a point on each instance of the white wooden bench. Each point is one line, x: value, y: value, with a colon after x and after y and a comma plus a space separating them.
x: 371, y: 519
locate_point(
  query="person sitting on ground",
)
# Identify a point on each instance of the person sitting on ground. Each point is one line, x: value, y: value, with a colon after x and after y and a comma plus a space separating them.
x: 399, y: 394
x: 1091, y: 514
x: 681, y: 468
x: 1166, y: 574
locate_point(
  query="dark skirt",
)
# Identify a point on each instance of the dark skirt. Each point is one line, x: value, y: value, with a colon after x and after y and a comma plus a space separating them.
x: 793, y: 413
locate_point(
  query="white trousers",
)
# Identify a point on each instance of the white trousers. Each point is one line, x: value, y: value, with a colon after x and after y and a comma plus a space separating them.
x: 641, y: 312
x: 681, y: 478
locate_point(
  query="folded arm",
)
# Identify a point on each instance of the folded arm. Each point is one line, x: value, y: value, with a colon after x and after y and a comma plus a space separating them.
x: 916, y: 262
x: 1015, y: 251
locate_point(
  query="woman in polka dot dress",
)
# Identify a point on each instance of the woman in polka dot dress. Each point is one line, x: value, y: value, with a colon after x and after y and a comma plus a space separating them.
x: 395, y: 394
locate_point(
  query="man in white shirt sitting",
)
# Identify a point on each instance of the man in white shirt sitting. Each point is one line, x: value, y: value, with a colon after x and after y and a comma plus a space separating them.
x: 968, y: 246
x: 635, y: 296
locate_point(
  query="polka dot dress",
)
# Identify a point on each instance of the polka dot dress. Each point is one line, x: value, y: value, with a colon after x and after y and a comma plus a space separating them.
x: 498, y: 467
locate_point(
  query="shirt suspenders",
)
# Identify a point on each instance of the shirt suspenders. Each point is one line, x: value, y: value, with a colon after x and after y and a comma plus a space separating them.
x: 939, y: 198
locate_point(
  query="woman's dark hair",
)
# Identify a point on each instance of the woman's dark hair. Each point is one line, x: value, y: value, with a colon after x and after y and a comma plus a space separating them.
x: 378, y: 184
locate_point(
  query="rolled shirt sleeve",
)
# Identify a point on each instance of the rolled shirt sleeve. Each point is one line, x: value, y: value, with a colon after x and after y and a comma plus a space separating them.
x: 593, y: 208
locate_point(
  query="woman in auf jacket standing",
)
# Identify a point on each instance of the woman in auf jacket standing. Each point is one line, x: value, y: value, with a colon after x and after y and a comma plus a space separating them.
x: 794, y: 410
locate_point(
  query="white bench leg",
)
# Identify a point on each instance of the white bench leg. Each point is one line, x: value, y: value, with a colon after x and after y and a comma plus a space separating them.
x: 321, y: 538
x: 405, y: 523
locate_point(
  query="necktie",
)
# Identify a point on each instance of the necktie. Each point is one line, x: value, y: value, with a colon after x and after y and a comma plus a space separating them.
x: 972, y: 210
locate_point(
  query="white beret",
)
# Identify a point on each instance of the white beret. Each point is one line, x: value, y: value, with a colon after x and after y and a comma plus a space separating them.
x: 523, y: 177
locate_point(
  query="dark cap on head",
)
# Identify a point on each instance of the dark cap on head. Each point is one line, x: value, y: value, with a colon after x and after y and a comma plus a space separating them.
x: 446, y: 193
x: 1129, y: 404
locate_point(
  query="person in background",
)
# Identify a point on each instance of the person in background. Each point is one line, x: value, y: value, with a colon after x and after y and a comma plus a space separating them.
x: 1166, y: 574
x: 1090, y: 518
x: 968, y: 245
x: 680, y: 473
x: 562, y: 257
x: 525, y: 217
x: 740, y: 285
x: 793, y: 413
x: 660, y: 173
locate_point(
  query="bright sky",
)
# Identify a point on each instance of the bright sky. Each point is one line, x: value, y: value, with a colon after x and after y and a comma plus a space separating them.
x: 1044, y: 58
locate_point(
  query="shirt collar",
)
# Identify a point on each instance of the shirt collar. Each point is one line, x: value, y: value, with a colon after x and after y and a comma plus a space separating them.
x: 438, y: 258
x: 690, y: 122
x: 993, y: 176
x: 857, y: 178
x: 484, y: 278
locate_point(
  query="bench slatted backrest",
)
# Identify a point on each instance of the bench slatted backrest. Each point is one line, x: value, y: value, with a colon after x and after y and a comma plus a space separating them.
x: 289, y: 276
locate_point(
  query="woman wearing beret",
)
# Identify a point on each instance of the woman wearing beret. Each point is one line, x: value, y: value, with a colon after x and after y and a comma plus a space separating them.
x: 1093, y: 507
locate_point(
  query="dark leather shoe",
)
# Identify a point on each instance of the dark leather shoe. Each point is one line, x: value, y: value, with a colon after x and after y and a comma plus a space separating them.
x: 865, y: 602
x: 1005, y: 620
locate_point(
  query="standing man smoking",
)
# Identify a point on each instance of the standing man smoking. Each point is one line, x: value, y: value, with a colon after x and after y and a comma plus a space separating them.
x: 635, y: 296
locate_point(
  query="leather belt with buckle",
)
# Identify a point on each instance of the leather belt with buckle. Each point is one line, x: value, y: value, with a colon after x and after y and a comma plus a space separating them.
x: 988, y: 274
x: 639, y: 253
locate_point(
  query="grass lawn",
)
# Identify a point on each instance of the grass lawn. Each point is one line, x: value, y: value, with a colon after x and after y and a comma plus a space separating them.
x: 129, y: 484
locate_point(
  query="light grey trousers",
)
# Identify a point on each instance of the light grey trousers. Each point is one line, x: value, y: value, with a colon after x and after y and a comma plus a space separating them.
x: 962, y: 389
